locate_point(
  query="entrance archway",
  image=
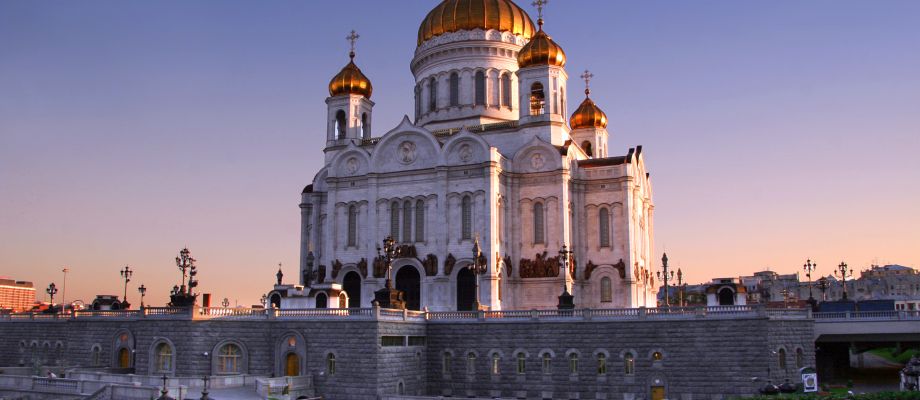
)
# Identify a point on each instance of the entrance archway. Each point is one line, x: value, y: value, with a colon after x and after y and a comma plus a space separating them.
x: 352, y: 285
x: 275, y: 300
x: 726, y: 297
x: 409, y: 281
x: 466, y: 289
x: 291, y: 365
x: 124, y: 358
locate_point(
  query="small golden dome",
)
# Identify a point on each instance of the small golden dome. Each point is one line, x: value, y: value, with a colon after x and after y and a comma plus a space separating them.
x: 541, y: 50
x: 588, y: 115
x: 350, y: 80
x: 457, y: 15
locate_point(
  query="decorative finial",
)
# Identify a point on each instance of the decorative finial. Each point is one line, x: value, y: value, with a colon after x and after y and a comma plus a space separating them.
x: 539, y: 4
x: 587, y: 77
x: 352, y: 38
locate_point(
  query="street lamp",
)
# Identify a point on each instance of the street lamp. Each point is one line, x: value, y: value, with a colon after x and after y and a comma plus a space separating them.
x: 143, y: 291
x: 665, y: 277
x: 52, y: 290
x: 843, y: 271
x: 225, y: 302
x: 64, y: 291
x: 566, y: 300
x: 809, y: 267
x: 388, y: 297
x: 478, y: 268
x: 680, y: 287
x: 126, y: 274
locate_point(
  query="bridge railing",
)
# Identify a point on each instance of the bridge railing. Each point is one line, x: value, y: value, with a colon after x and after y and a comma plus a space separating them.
x: 894, y: 315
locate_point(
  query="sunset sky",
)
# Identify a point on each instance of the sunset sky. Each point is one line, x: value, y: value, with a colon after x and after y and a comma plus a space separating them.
x: 775, y: 131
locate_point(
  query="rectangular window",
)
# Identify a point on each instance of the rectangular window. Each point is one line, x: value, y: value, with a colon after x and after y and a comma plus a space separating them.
x: 392, y: 341
x: 416, y: 340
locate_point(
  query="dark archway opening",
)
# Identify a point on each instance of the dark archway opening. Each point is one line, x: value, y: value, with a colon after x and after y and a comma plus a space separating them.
x: 352, y: 285
x: 466, y: 289
x: 275, y: 300
x: 409, y: 281
x: 321, y: 300
x: 726, y: 297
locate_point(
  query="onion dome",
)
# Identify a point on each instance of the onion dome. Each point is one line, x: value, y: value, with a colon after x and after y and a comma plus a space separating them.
x: 588, y: 115
x: 350, y: 80
x: 541, y: 50
x: 458, y: 15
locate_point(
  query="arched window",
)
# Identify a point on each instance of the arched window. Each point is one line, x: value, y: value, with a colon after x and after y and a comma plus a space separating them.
x: 629, y: 364
x: 573, y: 363
x: 365, y: 126
x: 466, y: 231
x: 420, y: 221
x: 496, y: 364
x: 547, y: 363
x: 657, y: 356
x: 432, y: 94
x: 606, y: 290
x: 394, y: 221
x: 781, y: 357
x: 521, y: 363
x: 407, y: 221
x: 321, y: 300
x: 480, y: 91
x: 97, y: 356
x: 799, y: 358
x: 330, y: 364
x: 537, y: 99
x: 506, y: 90
x: 538, y: 236
x: 471, y: 363
x: 445, y: 363
x: 564, y: 112
x: 603, y: 225
x: 586, y: 146
x: 454, y: 89
x: 340, y: 124
x: 418, y: 101
x: 601, y: 364
x: 229, y: 359
x: 400, y: 388
x: 163, y: 358
x: 352, y: 225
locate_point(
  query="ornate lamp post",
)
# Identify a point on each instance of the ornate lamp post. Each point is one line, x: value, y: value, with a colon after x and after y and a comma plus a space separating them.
x: 843, y: 271
x: 665, y: 276
x: 680, y: 287
x: 143, y: 291
x: 478, y: 268
x: 52, y: 290
x: 225, y: 302
x: 126, y: 275
x: 566, y: 300
x: 389, y: 297
x: 64, y: 291
x: 809, y: 267
x: 263, y: 300
x: 204, y: 390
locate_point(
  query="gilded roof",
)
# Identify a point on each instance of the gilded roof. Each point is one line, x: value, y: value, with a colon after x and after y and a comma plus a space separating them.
x: 541, y: 50
x: 588, y: 115
x: 457, y: 15
x: 350, y: 80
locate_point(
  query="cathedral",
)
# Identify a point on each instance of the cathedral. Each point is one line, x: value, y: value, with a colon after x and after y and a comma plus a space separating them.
x: 492, y: 159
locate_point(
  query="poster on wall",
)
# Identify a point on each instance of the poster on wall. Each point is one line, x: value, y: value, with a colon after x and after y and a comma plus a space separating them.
x: 810, y: 382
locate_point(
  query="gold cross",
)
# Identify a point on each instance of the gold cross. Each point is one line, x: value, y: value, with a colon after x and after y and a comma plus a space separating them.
x: 587, y: 77
x: 539, y: 4
x: 353, y: 37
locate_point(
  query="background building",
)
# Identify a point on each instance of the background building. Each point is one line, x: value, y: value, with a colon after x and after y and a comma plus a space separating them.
x: 16, y: 295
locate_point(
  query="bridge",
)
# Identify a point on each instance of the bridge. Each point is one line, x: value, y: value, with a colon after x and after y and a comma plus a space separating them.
x: 871, y: 326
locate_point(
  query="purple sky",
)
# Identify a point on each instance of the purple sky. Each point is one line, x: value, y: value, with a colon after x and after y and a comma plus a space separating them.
x: 774, y: 130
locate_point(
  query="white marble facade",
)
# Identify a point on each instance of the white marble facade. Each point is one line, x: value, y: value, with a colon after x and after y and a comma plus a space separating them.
x: 461, y: 170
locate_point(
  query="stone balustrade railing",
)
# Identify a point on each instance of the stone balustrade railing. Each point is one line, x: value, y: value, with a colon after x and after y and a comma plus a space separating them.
x: 837, y: 316
x: 383, y: 314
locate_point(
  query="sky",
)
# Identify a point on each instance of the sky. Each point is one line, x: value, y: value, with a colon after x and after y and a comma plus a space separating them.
x: 775, y: 131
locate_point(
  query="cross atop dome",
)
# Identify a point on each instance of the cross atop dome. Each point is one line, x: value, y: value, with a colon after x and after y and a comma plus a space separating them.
x: 587, y: 78
x: 352, y: 38
x: 539, y: 4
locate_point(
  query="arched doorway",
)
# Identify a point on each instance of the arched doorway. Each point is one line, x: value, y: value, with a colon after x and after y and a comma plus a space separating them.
x: 466, y: 289
x: 321, y: 300
x: 275, y: 300
x: 409, y: 281
x: 291, y: 365
x: 726, y: 297
x: 352, y: 285
x: 124, y: 358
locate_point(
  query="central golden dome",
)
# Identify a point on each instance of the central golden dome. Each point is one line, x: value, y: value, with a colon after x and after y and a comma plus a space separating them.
x: 456, y: 15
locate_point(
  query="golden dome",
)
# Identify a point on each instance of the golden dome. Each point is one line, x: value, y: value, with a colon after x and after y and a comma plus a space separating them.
x: 350, y: 80
x: 541, y: 50
x: 456, y: 15
x: 588, y: 115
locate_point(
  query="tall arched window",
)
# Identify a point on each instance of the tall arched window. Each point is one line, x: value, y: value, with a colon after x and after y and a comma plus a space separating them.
x: 454, y: 89
x: 586, y: 146
x: 330, y: 364
x: 547, y: 363
x: 521, y: 363
x: 606, y: 290
x: 394, y: 221
x: 573, y: 363
x: 799, y: 358
x: 163, y: 358
x: 471, y: 363
x: 538, y: 236
x: 352, y: 225
x: 407, y: 221
x: 432, y: 94
x: 506, y: 90
x: 365, y: 127
x: 480, y: 91
x: 228, y: 359
x: 418, y: 101
x: 537, y: 99
x: 629, y: 364
x: 466, y: 231
x: 97, y: 356
x: 322, y: 300
x: 420, y: 221
x: 781, y: 356
x: 601, y: 364
x: 603, y: 224
x: 496, y: 364
x: 340, y: 124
